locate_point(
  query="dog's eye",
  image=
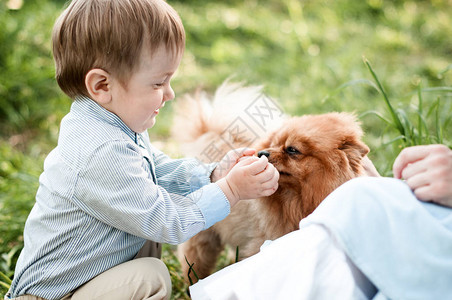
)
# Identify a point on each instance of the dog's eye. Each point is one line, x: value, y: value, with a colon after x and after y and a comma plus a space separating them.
x: 292, y: 150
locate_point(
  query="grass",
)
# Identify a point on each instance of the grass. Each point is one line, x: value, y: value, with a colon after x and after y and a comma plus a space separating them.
x: 308, y: 54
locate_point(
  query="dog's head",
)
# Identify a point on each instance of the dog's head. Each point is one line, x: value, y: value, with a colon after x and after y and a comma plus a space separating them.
x: 314, y: 154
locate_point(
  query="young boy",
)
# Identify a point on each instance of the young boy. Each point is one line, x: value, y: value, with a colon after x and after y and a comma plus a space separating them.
x: 105, y: 189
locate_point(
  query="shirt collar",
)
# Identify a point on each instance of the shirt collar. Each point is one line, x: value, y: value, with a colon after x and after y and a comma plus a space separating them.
x: 85, y: 106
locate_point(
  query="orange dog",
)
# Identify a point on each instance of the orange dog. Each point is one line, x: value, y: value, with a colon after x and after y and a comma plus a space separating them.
x: 314, y: 154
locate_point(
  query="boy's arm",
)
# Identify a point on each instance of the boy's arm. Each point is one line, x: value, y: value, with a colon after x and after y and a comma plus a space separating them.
x: 115, y: 188
x: 181, y: 176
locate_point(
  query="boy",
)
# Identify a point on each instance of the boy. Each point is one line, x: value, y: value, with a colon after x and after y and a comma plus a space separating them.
x: 105, y: 190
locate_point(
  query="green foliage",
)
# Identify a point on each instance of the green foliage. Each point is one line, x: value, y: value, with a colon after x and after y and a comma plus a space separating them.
x: 413, y: 126
x: 179, y: 286
x: 306, y: 53
x: 29, y: 97
x: 7, y: 262
x: 18, y: 184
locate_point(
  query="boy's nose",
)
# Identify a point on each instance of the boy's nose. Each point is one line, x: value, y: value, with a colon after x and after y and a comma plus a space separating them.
x: 169, y: 94
x: 263, y: 152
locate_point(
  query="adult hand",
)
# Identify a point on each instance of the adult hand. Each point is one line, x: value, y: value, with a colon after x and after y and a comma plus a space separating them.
x: 427, y: 171
x: 369, y: 167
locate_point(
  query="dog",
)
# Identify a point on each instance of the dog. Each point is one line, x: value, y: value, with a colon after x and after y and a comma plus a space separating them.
x: 314, y: 154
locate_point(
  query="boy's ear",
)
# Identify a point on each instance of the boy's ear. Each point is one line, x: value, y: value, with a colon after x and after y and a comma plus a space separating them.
x: 98, y: 84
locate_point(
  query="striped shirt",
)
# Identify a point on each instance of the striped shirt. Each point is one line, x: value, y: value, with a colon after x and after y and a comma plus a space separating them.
x: 99, y: 201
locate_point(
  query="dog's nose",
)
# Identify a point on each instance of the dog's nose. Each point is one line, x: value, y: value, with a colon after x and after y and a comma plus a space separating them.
x: 263, y: 152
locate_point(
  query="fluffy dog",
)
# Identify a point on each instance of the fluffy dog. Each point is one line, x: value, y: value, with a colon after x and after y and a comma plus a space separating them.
x: 314, y: 154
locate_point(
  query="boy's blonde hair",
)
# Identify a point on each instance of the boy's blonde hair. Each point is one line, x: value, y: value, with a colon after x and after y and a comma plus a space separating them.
x: 110, y: 35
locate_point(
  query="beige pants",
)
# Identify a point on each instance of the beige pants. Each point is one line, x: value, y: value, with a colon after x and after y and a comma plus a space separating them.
x: 144, y: 277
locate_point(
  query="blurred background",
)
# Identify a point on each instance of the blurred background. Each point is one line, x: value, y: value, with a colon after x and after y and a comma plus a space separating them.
x: 390, y: 62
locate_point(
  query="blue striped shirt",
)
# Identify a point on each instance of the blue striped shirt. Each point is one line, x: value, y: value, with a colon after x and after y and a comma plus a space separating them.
x: 104, y: 191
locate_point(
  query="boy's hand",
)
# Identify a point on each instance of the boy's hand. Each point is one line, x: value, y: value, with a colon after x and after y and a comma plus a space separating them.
x: 229, y: 161
x: 427, y: 171
x: 250, y: 178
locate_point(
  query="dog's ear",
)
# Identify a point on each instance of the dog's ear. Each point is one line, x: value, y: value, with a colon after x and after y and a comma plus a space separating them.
x: 355, y: 150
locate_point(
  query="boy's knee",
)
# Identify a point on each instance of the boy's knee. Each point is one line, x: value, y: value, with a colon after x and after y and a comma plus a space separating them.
x: 142, y: 278
x: 146, y: 264
x: 155, y: 277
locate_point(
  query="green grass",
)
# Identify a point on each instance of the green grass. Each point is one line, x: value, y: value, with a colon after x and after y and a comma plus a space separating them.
x: 308, y: 54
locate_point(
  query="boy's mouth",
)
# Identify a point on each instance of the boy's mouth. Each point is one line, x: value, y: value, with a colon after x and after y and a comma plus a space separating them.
x: 158, y: 109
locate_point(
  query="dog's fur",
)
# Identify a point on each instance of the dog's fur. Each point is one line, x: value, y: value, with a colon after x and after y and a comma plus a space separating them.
x: 314, y: 154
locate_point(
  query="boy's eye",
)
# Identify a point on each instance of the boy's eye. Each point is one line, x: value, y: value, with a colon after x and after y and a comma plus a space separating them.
x: 162, y: 83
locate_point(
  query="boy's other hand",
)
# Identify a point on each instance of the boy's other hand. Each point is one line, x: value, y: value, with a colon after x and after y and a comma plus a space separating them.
x: 428, y: 172
x: 229, y: 161
x: 250, y: 178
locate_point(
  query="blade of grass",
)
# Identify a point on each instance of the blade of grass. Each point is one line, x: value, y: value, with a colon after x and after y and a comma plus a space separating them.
x: 395, y: 118
x: 376, y: 113
x: 190, y: 270
x: 425, y: 137
x: 437, y: 89
x: 449, y: 67
x: 400, y: 137
x: 5, y: 278
x: 408, y: 128
x: 420, y: 107
x: 7, y: 286
x: 439, y: 130
x: 350, y: 83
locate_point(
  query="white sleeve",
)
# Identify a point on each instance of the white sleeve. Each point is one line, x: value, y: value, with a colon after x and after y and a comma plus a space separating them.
x: 304, y: 264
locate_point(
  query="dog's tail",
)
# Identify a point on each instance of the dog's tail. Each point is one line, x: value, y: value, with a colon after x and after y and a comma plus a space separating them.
x: 236, y: 116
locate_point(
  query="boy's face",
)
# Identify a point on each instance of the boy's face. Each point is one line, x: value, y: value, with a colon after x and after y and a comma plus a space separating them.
x: 147, y: 90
